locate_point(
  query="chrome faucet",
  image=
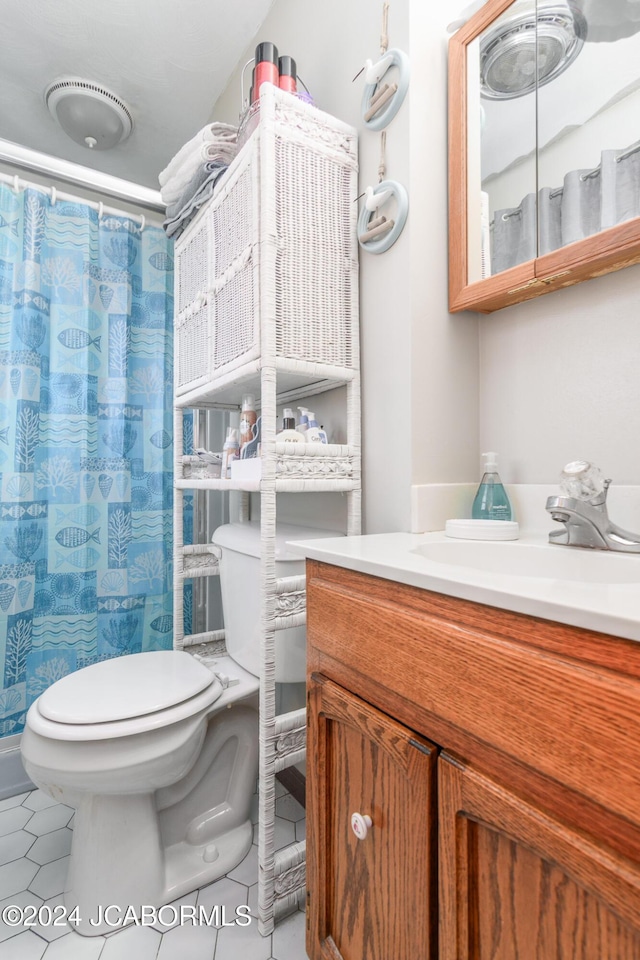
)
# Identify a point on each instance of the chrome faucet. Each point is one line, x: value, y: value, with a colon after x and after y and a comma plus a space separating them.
x: 582, y: 509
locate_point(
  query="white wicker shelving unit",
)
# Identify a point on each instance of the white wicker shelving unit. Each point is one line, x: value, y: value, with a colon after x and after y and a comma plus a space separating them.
x: 267, y: 303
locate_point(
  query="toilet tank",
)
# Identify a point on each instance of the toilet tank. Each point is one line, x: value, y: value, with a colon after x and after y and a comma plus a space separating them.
x: 240, y: 548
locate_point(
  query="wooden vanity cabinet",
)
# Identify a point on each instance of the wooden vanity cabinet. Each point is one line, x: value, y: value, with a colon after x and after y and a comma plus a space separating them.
x: 528, y: 845
x: 366, y: 763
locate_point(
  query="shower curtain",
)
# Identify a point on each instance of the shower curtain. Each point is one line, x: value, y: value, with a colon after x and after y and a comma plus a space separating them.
x: 85, y: 442
x: 587, y: 201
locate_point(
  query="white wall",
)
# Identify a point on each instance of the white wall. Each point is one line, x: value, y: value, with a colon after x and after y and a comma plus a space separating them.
x: 559, y: 380
x: 444, y: 346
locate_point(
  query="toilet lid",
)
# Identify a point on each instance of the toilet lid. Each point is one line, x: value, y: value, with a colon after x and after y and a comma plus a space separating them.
x: 126, y: 687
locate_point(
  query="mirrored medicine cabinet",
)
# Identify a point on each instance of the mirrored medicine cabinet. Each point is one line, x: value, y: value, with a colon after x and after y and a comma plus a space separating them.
x: 544, y: 148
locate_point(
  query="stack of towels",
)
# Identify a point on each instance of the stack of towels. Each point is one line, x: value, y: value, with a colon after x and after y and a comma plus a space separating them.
x: 190, y: 178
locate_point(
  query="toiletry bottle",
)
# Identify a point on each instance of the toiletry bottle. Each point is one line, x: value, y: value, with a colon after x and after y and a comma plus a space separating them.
x: 289, y: 432
x: 229, y: 452
x: 288, y: 71
x: 491, y: 501
x: 266, y: 69
x: 303, y: 424
x: 247, y: 419
x: 314, y: 434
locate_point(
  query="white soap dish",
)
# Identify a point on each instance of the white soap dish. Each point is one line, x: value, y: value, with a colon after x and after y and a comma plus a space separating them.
x: 482, y: 529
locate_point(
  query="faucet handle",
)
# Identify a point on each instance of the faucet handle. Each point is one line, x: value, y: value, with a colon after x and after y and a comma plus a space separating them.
x: 584, y: 481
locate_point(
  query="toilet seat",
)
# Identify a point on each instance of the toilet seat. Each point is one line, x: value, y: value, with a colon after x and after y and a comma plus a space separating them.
x: 125, y: 688
x: 178, y: 706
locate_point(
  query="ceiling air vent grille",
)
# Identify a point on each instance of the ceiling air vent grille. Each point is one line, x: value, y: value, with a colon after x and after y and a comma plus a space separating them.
x: 88, y: 112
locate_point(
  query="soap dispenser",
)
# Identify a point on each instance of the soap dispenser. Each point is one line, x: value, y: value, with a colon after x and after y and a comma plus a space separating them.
x: 491, y: 501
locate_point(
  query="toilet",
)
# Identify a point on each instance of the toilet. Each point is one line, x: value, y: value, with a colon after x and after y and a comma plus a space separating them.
x: 158, y: 753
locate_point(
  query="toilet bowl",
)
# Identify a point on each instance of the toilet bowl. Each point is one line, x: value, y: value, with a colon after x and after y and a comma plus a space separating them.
x: 158, y: 757
x: 163, y: 797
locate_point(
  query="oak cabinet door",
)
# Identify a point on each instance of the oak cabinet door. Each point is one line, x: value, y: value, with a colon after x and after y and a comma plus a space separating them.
x: 516, y: 883
x: 373, y: 897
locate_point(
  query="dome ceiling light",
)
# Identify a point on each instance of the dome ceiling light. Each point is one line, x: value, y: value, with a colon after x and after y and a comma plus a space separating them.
x: 89, y: 113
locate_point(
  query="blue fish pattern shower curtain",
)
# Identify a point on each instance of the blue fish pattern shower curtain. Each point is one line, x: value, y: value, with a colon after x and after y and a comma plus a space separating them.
x: 85, y: 442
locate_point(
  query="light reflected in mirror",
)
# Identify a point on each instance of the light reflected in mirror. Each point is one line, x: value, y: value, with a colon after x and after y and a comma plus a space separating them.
x: 581, y: 174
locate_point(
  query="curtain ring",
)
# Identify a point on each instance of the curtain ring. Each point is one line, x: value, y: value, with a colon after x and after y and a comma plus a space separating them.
x: 53, y: 196
x: 16, y: 184
x: 142, y: 222
x: 100, y: 211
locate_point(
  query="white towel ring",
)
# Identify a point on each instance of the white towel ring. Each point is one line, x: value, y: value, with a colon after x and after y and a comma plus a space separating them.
x: 142, y: 222
x: 53, y: 196
x: 375, y: 73
x: 390, y: 189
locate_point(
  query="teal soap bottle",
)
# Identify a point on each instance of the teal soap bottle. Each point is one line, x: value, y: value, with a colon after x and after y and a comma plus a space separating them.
x: 491, y: 501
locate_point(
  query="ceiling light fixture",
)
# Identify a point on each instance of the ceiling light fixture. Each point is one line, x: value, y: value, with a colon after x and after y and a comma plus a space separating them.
x: 530, y: 47
x: 88, y: 112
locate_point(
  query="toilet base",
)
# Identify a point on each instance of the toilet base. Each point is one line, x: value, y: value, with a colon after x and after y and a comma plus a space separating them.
x: 185, y: 869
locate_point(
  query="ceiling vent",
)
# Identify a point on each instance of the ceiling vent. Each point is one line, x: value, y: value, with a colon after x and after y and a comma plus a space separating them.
x: 89, y: 113
x: 524, y: 48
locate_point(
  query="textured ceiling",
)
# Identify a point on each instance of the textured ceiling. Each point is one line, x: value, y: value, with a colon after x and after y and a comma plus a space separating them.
x: 168, y: 59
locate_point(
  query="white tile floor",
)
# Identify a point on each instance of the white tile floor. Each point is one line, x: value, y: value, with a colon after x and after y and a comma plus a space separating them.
x: 35, y: 839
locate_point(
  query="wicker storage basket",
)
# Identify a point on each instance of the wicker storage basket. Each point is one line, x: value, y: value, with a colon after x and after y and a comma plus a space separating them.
x: 290, y: 189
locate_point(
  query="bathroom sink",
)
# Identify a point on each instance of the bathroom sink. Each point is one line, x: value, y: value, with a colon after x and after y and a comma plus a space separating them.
x: 537, y: 560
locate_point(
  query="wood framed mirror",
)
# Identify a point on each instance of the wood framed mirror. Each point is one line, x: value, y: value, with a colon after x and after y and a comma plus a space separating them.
x: 544, y: 148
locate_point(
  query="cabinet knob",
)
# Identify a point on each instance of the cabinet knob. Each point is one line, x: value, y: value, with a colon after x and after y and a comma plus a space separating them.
x: 360, y: 824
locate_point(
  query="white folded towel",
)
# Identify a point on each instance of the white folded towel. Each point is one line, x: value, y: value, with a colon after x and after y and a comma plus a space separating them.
x: 215, y: 151
x: 222, y: 133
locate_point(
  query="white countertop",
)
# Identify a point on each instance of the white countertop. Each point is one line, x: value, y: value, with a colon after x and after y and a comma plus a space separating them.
x: 608, y: 607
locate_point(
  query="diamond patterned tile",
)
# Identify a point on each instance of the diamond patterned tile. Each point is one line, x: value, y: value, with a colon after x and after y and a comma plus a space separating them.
x: 224, y: 893
x: 16, y: 877
x: 289, y: 809
x: 50, y: 879
x: 24, y: 899
x: 26, y: 946
x: 190, y: 942
x: 13, y: 819
x: 285, y: 833
x: 247, y: 871
x: 189, y: 898
x: 15, y: 845
x: 75, y: 947
x: 139, y: 942
x: 51, y: 846
x: 245, y: 942
x: 37, y: 800
x: 288, y: 938
x: 58, y: 927
x: 49, y: 819
x: 9, y: 802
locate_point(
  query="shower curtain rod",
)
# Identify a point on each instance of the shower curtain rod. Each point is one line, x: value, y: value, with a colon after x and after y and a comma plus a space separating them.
x: 18, y: 156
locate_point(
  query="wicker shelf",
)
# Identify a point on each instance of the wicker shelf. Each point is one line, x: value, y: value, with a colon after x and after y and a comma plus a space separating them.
x: 267, y: 304
x: 296, y: 380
